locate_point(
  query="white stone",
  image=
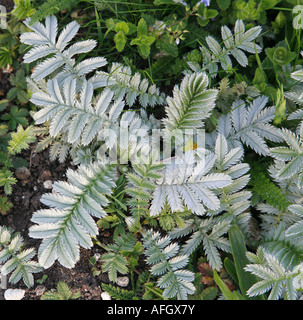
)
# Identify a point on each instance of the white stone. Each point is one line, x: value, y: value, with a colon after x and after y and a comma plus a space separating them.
x: 97, y: 256
x: 105, y: 296
x: 122, y: 281
x: 14, y: 294
x: 48, y: 184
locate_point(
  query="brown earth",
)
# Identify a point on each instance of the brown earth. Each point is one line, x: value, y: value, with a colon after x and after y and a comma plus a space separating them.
x: 8, y: 4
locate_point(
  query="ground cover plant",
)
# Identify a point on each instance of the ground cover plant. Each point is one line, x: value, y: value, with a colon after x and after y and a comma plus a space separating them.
x: 170, y: 138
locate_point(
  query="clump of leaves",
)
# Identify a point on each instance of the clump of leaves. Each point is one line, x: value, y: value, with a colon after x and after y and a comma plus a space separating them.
x: 19, y: 141
x: 18, y: 92
x: 5, y: 205
x: 13, y: 139
x: 16, y: 259
x: 143, y: 40
x: 278, y: 59
x: 168, y: 219
x: 248, y: 10
x: 15, y: 117
x: 121, y: 256
x: 280, y: 54
x: 10, y: 46
x: 264, y: 190
x: 122, y: 31
x: 63, y: 293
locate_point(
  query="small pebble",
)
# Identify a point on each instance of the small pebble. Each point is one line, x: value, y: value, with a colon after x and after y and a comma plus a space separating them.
x: 40, y: 290
x: 14, y: 294
x: 22, y: 173
x: 48, y: 184
x: 97, y: 256
x: 45, y: 175
x: 105, y: 296
x: 122, y: 281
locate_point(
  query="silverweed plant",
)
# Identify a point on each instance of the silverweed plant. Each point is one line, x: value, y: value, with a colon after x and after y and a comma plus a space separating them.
x: 189, y: 184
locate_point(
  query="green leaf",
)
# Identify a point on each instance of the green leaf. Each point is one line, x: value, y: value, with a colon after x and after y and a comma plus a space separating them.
x: 6, y: 181
x: 143, y: 41
x: 12, y: 94
x: 3, y: 131
x: 224, y: 4
x: 120, y: 40
x: 269, y: 4
x: 63, y: 293
x: 5, y: 205
x: 18, y: 79
x: 237, y: 242
x: 23, y: 9
x: 122, y: 27
x: 203, y: 22
x: 209, y: 293
x: 19, y: 90
x: 132, y: 28
x: 19, y: 162
x: 144, y: 44
x: 142, y: 28
x: 22, y: 96
x: 280, y: 107
x: 110, y: 23
x: 114, y: 263
x: 210, y: 13
x: 21, y: 139
x: 260, y: 79
x: 15, y: 117
x: 228, y: 294
x: 205, y: 14
x: 118, y: 293
x: 5, y: 57
x: 279, y: 22
x: 229, y: 266
x: 3, y: 105
x: 64, y: 290
x: 280, y: 55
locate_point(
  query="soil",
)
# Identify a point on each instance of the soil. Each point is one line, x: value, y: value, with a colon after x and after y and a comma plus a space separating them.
x: 8, y: 4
